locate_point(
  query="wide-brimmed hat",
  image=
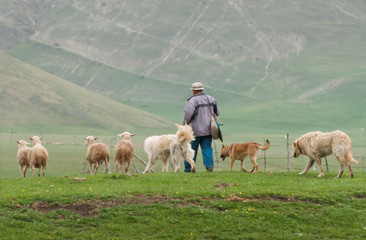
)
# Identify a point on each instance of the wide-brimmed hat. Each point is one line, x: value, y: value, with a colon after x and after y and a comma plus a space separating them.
x: 197, y: 86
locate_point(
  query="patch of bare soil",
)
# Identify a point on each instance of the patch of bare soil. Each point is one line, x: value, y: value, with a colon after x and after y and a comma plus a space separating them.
x: 91, y: 208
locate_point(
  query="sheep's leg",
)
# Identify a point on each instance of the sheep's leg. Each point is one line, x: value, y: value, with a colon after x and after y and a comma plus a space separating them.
x: 21, y: 171
x: 39, y: 171
x: 106, y: 166
x: 33, y: 168
x: 193, y: 165
x: 25, y: 171
x: 127, y: 166
x: 96, y: 166
x: 177, y: 167
x: 176, y: 164
x: 188, y: 156
x: 117, y: 167
x: 165, y: 165
x: 44, y: 168
x: 150, y: 164
x: 90, y: 168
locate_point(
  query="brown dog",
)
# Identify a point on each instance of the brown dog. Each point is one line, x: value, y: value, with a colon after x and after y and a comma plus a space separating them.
x: 238, y: 151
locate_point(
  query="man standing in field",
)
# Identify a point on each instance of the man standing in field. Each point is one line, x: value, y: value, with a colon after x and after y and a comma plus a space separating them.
x: 197, y: 113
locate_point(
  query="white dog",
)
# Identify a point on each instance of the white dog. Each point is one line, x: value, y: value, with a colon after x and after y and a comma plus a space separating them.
x: 317, y: 145
x: 170, y: 146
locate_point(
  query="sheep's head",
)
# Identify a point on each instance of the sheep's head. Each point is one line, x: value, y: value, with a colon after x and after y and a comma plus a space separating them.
x: 90, y: 140
x: 126, y: 135
x: 184, y: 133
x: 22, y: 143
x: 36, y: 139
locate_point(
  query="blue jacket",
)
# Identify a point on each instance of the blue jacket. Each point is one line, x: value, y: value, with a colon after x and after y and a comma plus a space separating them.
x: 197, y: 113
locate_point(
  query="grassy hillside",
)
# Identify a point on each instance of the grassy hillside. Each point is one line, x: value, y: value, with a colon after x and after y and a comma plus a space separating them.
x: 324, y: 103
x: 285, y: 66
x: 34, y: 99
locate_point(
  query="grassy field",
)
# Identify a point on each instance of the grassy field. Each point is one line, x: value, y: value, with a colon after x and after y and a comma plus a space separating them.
x: 218, y: 205
x: 274, y: 204
x: 67, y: 153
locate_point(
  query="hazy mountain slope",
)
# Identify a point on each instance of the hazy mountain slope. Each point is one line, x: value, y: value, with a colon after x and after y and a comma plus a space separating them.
x: 232, y: 44
x: 271, y: 64
x: 32, y: 97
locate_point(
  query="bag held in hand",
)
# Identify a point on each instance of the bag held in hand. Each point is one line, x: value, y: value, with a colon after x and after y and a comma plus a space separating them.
x: 215, y: 127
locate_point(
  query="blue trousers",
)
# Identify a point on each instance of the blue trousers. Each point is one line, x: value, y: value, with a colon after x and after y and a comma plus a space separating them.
x: 206, y: 148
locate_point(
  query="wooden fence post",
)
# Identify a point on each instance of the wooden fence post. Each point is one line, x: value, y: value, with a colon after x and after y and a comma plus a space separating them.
x: 140, y: 159
x: 84, y: 166
x: 265, y: 158
x: 134, y: 165
x: 326, y: 164
x: 288, y: 151
x: 217, y: 157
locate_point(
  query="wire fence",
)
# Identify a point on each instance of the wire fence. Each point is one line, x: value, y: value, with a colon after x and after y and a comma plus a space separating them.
x: 71, y: 149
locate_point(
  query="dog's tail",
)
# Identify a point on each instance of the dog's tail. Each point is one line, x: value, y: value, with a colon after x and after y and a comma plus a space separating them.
x: 350, y: 158
x: 265, y: 147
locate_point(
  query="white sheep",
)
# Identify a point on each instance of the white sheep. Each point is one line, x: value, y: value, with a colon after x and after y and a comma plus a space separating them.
x: 38, y: 156
x: 23, y: 157
x: 97, y: 154
x: 124, y: 153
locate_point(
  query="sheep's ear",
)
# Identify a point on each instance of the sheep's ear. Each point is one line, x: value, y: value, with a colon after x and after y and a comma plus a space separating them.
x: 31, y: 138
x: 40, y: 138
x: 95, y: 138
x: 120, y: 135
x: 18, y: 142
x: 181, y: 138
x: 294, y: 144
x: 132, y: 135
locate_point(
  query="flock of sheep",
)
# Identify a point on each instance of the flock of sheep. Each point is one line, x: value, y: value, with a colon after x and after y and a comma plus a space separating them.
x: 97, y: 153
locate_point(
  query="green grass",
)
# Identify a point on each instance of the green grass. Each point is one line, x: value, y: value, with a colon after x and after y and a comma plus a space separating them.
x: 184, y: 206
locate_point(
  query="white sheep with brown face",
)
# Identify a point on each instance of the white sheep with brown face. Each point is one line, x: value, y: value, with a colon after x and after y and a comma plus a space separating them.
x: 97, y: 153
x: 124, y: 153
x: 23, y: 157
x: 38, y: 156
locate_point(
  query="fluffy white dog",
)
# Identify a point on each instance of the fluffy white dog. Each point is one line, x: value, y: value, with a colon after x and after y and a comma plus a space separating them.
x: 170, y: 146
